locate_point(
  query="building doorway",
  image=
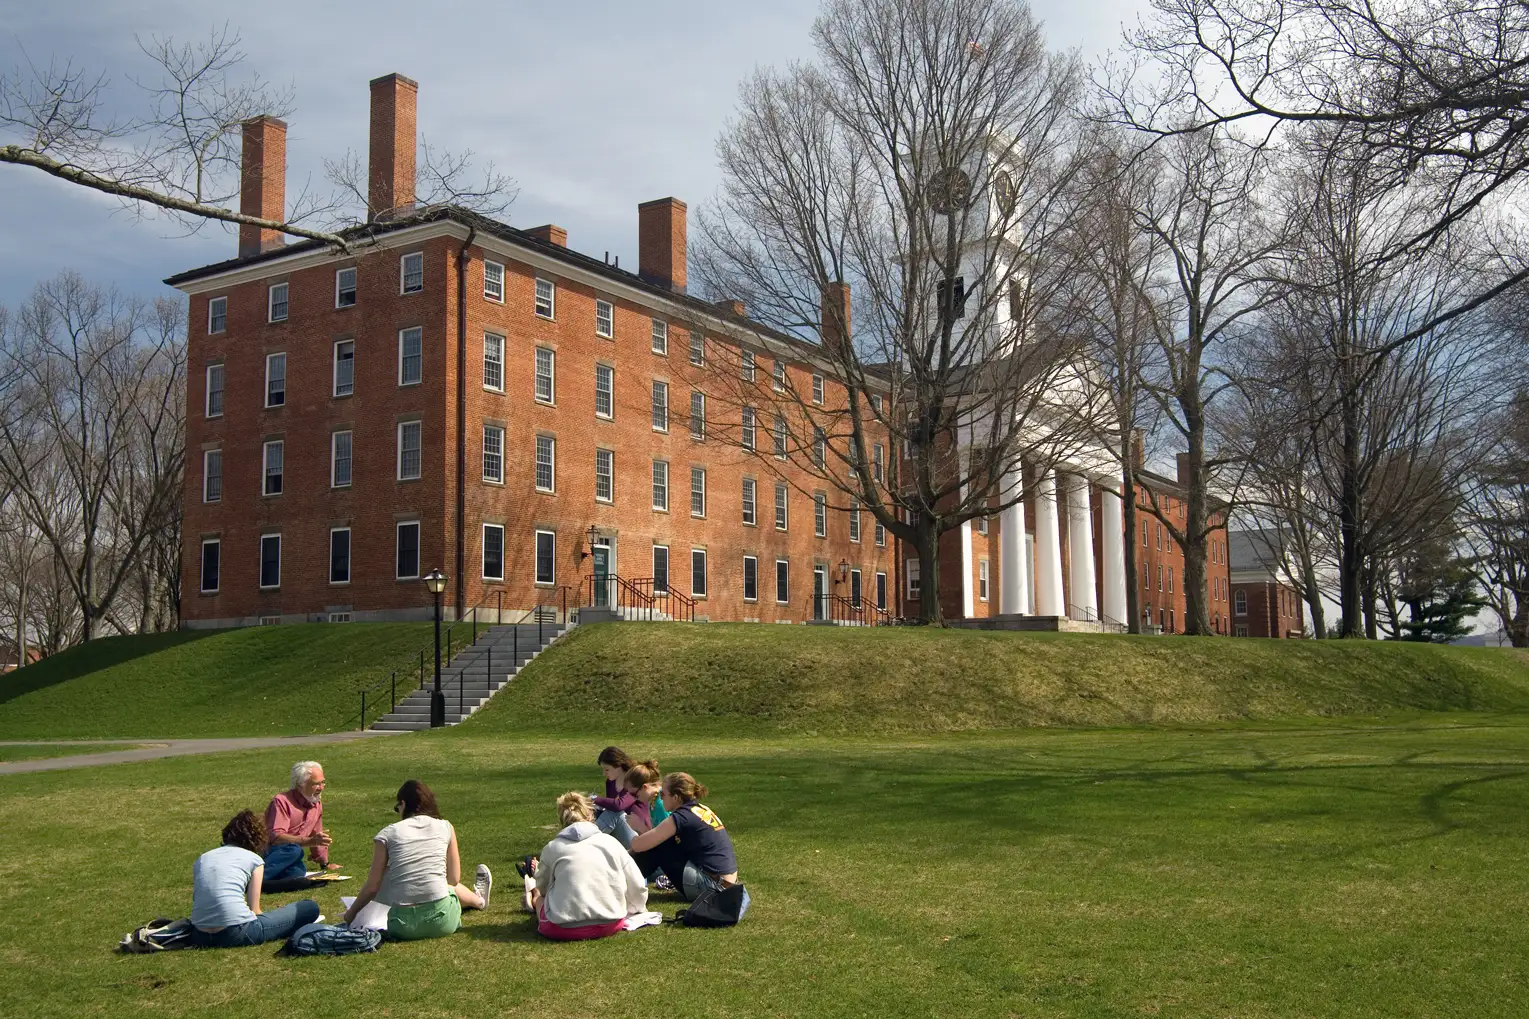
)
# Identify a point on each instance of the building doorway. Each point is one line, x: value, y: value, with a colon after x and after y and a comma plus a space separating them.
x: 819, y: 593
x: 603, y: 573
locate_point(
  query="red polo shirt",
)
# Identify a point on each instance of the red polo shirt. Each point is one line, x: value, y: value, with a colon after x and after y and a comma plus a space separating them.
x: 290, y: 813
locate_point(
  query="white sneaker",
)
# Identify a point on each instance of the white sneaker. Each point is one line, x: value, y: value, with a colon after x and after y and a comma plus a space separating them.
x: 483, y: 883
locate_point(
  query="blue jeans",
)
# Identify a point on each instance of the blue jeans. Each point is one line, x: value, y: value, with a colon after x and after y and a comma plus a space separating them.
x: 277, y: 925
x: 614, y: 823
x: 284, y: 862
x: 694, y: 882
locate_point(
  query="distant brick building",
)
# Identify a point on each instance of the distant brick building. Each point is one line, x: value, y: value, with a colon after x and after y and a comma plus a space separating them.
x: 1263, y: 603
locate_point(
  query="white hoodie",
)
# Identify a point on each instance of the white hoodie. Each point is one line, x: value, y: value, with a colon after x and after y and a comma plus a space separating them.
x: 587, y: 877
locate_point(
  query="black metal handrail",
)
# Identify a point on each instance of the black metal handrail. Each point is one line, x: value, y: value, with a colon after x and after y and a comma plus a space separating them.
x: 417, y: 659
x: 843, y: 610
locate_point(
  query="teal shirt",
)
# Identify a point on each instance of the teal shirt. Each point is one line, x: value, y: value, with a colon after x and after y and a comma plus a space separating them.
x: 657, y: 812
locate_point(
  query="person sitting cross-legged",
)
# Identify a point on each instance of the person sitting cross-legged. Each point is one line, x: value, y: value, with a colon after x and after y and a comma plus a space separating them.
x: 585, y: 884
x: 691, y: 846
x: 225, y: 892
x: 417, y: 871
x: 295, y: 822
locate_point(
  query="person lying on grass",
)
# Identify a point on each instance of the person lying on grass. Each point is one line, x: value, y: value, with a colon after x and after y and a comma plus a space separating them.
x: 417, y: 871
x: 294, y: 822
x: 690, y: 846
x: 586, y: 884
x: 225, y: 892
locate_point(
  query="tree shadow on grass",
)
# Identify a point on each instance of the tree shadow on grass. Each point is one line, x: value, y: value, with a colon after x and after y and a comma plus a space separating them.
x: 83, y: 659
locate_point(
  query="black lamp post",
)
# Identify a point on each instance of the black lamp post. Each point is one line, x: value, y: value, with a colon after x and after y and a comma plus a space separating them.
x: 435, y: 580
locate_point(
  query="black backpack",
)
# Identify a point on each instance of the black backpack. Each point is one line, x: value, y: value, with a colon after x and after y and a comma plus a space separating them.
x: 714, y: 908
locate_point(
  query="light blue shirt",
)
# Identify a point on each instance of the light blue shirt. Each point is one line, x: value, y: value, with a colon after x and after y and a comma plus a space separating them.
x: 220, y: 880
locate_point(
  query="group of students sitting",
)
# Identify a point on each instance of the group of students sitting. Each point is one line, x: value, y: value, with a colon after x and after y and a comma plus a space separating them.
x: 590, y: 881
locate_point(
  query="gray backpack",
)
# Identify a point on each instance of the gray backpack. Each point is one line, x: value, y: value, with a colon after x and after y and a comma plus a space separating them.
x: 332, y: 939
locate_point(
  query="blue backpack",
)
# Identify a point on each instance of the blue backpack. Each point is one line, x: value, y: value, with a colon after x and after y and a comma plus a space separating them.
x: 332, y: 939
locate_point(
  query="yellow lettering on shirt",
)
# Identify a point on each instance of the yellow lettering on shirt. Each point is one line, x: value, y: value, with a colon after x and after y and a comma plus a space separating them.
x: 705, y: 814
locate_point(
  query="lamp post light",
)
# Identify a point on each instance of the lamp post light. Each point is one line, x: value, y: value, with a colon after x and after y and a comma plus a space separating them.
x: 843, y: 570
x: 435, y: 580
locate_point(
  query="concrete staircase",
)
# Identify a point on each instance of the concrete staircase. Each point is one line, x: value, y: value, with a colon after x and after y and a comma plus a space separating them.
x: 477, y: 672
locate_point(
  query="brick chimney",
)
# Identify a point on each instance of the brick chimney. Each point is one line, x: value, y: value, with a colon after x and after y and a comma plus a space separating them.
x: 661, y: 243
x: 262, y: 183
x: 551, y: 234
x: 834, y: 327
x: 391, y: 164
x: 732, y: 306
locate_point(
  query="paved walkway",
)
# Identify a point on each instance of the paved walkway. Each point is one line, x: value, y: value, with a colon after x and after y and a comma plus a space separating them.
x: 149, y: 750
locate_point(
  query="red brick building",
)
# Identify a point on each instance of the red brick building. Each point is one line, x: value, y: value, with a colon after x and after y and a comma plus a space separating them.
x: 1160, y: 559
x: 1263, y: 603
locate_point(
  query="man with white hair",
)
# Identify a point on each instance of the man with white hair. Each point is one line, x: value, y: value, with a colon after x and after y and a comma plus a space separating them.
x: 294, y: 822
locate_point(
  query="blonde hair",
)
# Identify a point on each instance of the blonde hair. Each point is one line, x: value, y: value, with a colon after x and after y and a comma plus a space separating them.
x: 677, y: 783
x: 640, y: 774
x: 573, y: 808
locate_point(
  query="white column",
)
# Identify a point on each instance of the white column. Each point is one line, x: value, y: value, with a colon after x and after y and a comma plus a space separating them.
x: 1048, y: 550
x: 967, y: 608
x: 1013, y: 585
x: 1080, y: 547
x: 1112, y: 523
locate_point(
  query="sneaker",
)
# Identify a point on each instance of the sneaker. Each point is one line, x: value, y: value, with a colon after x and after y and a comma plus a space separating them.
x: 662, y: 882
x: 527, y: 866
x: 483, y: 883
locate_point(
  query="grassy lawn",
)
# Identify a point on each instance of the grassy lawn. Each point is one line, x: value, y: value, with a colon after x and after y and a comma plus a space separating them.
x: 37, y: 751
x: 1300, y: 869
x: 833, y: 680
x: 263, y: 681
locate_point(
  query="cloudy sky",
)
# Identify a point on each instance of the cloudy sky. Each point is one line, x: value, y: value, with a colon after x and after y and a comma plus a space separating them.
x: 592, y: 107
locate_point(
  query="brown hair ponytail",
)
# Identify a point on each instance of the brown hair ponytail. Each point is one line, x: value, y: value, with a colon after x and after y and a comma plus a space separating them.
x: 677, y: 783
x: 641, y: 773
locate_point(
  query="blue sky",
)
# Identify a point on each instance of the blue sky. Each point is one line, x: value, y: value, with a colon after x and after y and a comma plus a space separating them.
x: 592, y: 107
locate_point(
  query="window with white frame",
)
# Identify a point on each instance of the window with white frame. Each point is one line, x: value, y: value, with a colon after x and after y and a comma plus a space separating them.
x: 275, y: 380
x: 782, y: 493
x: 747, y: 361
x: 406, y: 558
x: 817, y: 389
x: 212, y: 475
x: 1170, y: 580
x: 982, y: 579
x: 605, y: 391
x: 344, y: 367
x: 546, y: 558
x: 217, y: 315
x: 855, y: 589
x: 339, y: 555
x: 345, y: 288
x: 881, y: 535
x: 214, y: 408
x: 746, y: 431
x: 546, y: 298
x: 270, y: 560
x: 1159, y: 577
x: 698, y: 573
x: 493, y: 282
x: 876, y: 402
x: 605, y: 319
x: 778, y: 376
x: 910, y: 570
x: 819, y: 447
x: 820, y: 514
x: 878, y: 462
x: 660, y: 569
x: 698, y: 491
x: 660, y: 336
x: 981, y: 525
x: 411, y: 273
x: 339, y: 459
x: 1145, y: 539
x: 697, y: 415
x: 276, y: 303
x: 273, y: 454
x: 411, y: 368
x: 749, y: 489
x: 881, y: 591
x: 661, y: 485
x: 546, y: 452
x: 493, y: 552
x: 750, y: 578
x: 780, y: 436
x: 854, y: 520
x: 493, y: 454
x: 546, y: 362
x: 660, y: 406
x: 212, y: 557
x: 493, y: 362
x: 697, y: 347
x: 605, y: 475
x: 782, y: 581
x: 1240, y: 603
x: 410, y: 455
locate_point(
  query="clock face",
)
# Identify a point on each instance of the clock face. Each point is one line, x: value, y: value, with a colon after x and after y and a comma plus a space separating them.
x: 950, y: 189
x: 1005, y: 191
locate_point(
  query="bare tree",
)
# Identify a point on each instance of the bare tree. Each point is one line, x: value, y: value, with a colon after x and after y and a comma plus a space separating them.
x: 92, y: 438
x: 924, y: 162
x: 1496, y: 519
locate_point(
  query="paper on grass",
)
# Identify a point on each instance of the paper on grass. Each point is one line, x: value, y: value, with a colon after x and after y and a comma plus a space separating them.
x: 637, y: 920
x: 373, y: 916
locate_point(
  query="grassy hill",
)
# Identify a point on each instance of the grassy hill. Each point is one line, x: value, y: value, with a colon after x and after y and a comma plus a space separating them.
x: 263, y: 681
x: 841, y: 680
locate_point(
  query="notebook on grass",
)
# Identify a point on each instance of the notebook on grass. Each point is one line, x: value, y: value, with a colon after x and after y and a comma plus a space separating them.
x: 373, y: 916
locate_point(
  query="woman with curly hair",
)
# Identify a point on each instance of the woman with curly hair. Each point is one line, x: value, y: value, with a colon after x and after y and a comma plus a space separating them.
x: 225, y: 892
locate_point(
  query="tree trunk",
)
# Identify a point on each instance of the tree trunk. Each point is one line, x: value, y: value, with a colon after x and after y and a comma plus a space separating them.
x: 1518, y: 626
x: 1196, y: 611
x: 1350, y: 512
x: 929, y: 571
x: 1133, y: 593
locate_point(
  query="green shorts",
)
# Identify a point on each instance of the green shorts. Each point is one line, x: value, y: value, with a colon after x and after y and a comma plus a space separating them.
x: 426, y: 920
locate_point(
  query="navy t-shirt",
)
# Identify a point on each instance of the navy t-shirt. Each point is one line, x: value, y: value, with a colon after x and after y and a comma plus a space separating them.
x: 703, y: 839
